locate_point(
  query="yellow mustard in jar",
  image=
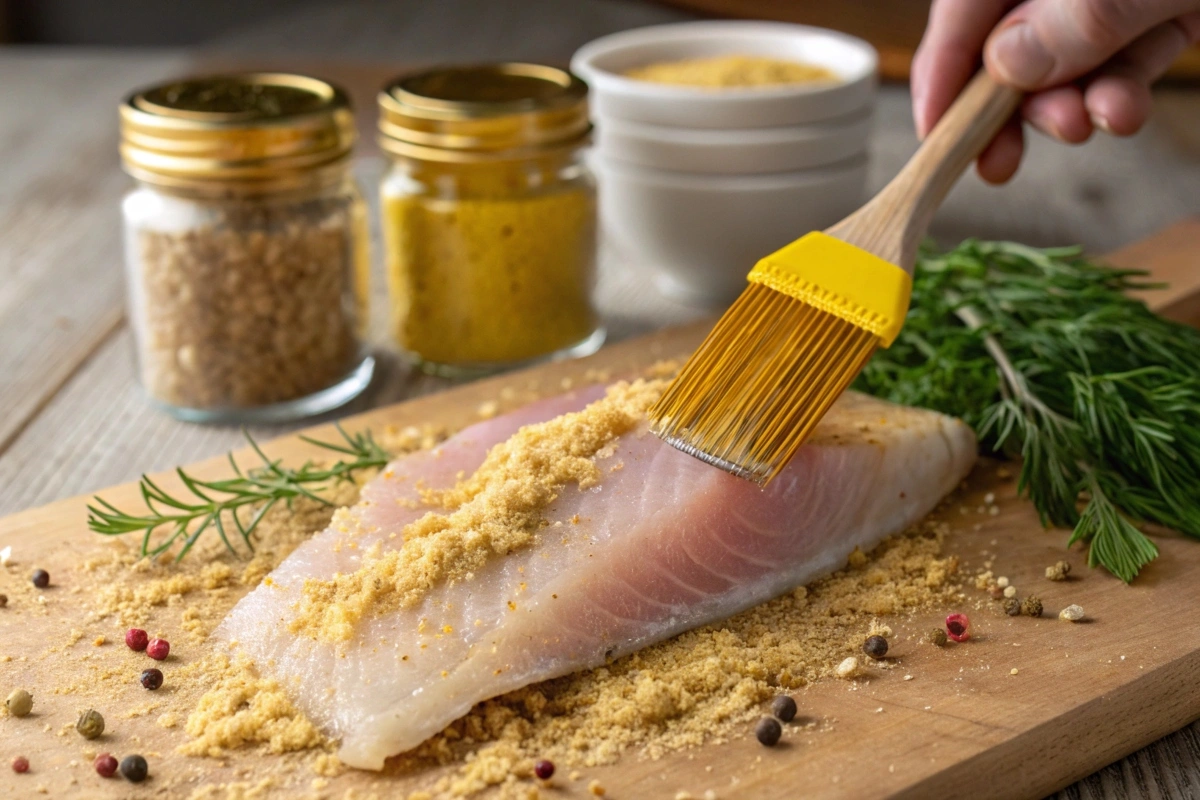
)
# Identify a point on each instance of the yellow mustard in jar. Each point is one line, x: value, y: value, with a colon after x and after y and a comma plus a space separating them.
x: 489, y: 217
x: 732, y: 72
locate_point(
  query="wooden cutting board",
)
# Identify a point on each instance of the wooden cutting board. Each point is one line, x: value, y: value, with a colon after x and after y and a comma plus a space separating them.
x: 1082, y: 696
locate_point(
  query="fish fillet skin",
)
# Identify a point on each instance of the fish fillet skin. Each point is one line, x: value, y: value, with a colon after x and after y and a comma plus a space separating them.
x: 664, y: 543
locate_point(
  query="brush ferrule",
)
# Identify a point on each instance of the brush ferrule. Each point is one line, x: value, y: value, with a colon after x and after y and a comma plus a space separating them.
x: 840, y: 279
x: 729, y: 466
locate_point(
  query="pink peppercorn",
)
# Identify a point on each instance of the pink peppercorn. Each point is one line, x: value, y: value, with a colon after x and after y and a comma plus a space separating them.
x: 956, y: 627
x: 158, y: 649
x: 137, y: 639
x: 544, y: 769
x: 106, y: 765
x: 20, y: 764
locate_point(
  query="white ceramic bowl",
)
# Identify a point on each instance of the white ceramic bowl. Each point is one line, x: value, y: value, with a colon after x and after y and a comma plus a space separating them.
x: 602, y: 62
x: 702, y: 234
x: 734, y: 152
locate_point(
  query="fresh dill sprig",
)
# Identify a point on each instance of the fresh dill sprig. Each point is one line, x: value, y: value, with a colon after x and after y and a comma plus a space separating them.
x: 172, y: 519
x: 1047, y: 357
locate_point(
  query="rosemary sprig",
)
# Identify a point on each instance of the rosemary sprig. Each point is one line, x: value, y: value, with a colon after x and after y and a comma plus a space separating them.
x: 216, y: 504
x: 1045, y: 354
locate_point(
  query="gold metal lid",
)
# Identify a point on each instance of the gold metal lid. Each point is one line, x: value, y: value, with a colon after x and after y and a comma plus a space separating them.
x: 260, y: 130
x: 483, y: 112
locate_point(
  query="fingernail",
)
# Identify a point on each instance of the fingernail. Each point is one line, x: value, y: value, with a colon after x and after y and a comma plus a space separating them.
x: 1047, y: 127
x: 1100, y: 121
x: 1019, y: 55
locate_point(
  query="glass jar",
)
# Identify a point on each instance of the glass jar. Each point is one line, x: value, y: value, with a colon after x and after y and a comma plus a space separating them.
x: 246, y: 247
x: 489, y: 217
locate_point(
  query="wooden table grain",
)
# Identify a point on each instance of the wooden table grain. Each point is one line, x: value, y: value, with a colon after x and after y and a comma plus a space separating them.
x: 72, y: 418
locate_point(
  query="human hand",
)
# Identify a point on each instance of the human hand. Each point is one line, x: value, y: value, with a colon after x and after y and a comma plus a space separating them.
x: 1085, y: 64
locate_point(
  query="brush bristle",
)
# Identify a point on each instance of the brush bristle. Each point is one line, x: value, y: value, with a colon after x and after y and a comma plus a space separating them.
x: 760, y: 382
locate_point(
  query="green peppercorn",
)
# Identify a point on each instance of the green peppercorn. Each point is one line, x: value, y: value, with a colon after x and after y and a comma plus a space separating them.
x: 876, y: 647
x: 90, y: 724
x: 1012, y: 607
x: 134, y: 769
x: 784, y: 708
x: 19, y: 703
x: 1032, y: 606
x: 937, y: 636
x: 768, y: 731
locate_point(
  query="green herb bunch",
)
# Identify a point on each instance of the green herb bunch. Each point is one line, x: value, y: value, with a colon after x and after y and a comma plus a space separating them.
x: 1048, y: 358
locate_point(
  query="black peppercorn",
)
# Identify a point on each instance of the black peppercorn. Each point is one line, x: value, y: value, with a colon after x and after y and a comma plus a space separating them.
x: 41, y: 578
x: 152, y: 678
x: 876, y: 647
x: 134, y: 769
x: 784, y: 708
x: 768, y: 731
x: 3, y: 600
x: 1012, y: 607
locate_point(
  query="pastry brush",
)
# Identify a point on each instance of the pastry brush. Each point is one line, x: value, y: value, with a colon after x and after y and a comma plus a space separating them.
x: 815, y: 311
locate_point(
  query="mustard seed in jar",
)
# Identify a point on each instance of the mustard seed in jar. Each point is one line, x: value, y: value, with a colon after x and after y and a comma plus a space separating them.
x: 246, y: 247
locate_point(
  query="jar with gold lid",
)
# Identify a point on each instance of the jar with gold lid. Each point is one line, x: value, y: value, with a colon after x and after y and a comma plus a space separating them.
x: 246, y: 246
x: 489, y: 217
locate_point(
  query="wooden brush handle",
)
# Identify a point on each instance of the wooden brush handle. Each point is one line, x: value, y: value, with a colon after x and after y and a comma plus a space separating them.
x: 893, y: 223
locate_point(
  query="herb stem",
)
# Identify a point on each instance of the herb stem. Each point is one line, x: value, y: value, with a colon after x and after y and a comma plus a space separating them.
x: 170, y: 519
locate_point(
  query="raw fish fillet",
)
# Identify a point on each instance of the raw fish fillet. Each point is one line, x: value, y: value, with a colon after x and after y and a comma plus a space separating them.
x: 663, y: 543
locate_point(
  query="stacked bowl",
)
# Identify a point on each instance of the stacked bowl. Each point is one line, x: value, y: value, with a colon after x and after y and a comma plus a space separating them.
x: 701, y: 182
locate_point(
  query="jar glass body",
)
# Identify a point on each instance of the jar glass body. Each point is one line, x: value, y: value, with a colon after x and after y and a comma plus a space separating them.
x: 491, y: 264
x: 249, y: 308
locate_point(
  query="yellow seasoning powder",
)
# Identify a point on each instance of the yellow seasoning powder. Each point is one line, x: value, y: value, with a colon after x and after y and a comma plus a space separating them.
x: 490, y: 264
x: 731, y: 71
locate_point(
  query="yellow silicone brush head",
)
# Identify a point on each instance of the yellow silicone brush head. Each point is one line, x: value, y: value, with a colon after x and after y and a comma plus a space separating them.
x: 787, y: 348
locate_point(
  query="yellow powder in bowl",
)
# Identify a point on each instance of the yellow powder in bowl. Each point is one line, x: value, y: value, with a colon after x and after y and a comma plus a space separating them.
x: 733, y: 71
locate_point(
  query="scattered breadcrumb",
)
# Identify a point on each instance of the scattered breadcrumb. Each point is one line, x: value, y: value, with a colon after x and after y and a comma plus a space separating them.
x: 1059, y: 571
x: 848, y: 668
x: 1072, y: 613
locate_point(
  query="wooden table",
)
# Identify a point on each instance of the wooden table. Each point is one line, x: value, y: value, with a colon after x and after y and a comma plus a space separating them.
x: 72, y: 418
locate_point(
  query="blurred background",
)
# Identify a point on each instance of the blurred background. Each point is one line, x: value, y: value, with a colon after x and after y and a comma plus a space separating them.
x: 65, y: 66
x: 419, y: 31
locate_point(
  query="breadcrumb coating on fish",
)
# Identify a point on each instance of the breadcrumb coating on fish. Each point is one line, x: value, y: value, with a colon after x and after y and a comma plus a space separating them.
x: 495, y: 511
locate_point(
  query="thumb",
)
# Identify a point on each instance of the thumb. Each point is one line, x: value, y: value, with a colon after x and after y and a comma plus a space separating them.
x: 1044, y: 43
